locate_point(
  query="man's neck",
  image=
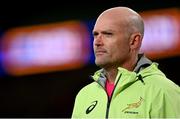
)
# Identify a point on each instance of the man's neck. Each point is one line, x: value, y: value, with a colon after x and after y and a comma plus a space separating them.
x: 111, y: 72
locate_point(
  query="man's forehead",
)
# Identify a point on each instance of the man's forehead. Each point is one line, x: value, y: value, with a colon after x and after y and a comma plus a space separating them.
x: 109, y: 24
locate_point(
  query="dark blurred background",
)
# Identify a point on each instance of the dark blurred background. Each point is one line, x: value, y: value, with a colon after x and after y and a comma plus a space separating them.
x: 52, y: 94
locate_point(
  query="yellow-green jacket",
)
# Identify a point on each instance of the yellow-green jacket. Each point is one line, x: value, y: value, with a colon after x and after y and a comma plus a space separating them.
x: 139, y: 94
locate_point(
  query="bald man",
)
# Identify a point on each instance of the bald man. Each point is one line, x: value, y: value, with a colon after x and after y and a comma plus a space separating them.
x: 128, y: 85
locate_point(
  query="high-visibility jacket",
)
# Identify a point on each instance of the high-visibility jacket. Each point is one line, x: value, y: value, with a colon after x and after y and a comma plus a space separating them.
x: 147, y: 93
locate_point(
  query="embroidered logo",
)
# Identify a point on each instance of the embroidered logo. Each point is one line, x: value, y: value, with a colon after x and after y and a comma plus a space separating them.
x: 133, y: 105
x: 91, y: 107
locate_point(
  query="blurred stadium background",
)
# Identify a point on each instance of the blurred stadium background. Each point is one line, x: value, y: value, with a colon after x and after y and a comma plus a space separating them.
x: 46, y: 53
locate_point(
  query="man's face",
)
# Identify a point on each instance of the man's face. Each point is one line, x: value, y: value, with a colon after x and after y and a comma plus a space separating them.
x: 111, y: 43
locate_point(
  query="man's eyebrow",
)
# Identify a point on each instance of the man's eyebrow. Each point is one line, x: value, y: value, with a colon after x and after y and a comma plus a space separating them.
x: 104, y: 31
x: 109, y: 31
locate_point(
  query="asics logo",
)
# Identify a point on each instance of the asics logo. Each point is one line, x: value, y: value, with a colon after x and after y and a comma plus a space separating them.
x: 91, y: 107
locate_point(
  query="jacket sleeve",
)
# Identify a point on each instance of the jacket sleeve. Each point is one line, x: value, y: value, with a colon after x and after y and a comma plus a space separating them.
x: 166, y: 103
x: 78, y: 105
x: 75, y: 108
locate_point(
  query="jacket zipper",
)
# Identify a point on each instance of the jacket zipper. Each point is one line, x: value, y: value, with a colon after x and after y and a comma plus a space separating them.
x: 109, y: 98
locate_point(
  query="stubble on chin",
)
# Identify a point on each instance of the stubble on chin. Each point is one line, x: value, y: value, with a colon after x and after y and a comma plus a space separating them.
x: 100, y: 63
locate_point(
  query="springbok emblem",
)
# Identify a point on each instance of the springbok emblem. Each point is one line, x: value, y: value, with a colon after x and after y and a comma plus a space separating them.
x: 133, y: 105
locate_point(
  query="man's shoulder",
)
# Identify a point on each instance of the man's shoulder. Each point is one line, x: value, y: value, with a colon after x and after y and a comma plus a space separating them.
x: 89, y: 88
x: 158, y: 79
x: 161, y: 83
x: 153, y: 76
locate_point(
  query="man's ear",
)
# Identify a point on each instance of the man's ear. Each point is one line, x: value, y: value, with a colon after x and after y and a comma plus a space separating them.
x: 135, y: 41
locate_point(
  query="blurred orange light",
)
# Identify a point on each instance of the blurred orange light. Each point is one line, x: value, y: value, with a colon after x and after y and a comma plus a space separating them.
x: 162, y: 33
x: 45, y: 48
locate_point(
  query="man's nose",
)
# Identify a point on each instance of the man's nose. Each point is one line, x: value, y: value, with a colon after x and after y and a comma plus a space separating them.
x: 98, y: 40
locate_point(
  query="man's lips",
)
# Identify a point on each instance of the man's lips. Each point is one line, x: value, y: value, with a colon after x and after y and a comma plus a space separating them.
x: 100, y: 52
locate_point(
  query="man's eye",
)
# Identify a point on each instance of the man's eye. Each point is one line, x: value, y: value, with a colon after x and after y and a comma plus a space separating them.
x: 108, y: 34
x: 95, y: 34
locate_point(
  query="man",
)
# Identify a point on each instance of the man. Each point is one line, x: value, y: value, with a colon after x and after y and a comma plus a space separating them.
x: 129, y: 85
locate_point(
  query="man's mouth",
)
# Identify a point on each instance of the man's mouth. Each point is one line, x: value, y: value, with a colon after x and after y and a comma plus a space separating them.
x: 100, y: 52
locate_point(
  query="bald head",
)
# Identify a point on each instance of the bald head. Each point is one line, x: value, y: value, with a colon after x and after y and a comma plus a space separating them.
x: 118, y: 34
x: 125, y: 17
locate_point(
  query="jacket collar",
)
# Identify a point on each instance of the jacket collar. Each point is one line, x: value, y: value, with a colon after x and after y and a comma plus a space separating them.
x: 143, y: 62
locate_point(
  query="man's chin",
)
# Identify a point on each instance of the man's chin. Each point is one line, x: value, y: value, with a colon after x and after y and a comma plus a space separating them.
x: 100, y: 64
